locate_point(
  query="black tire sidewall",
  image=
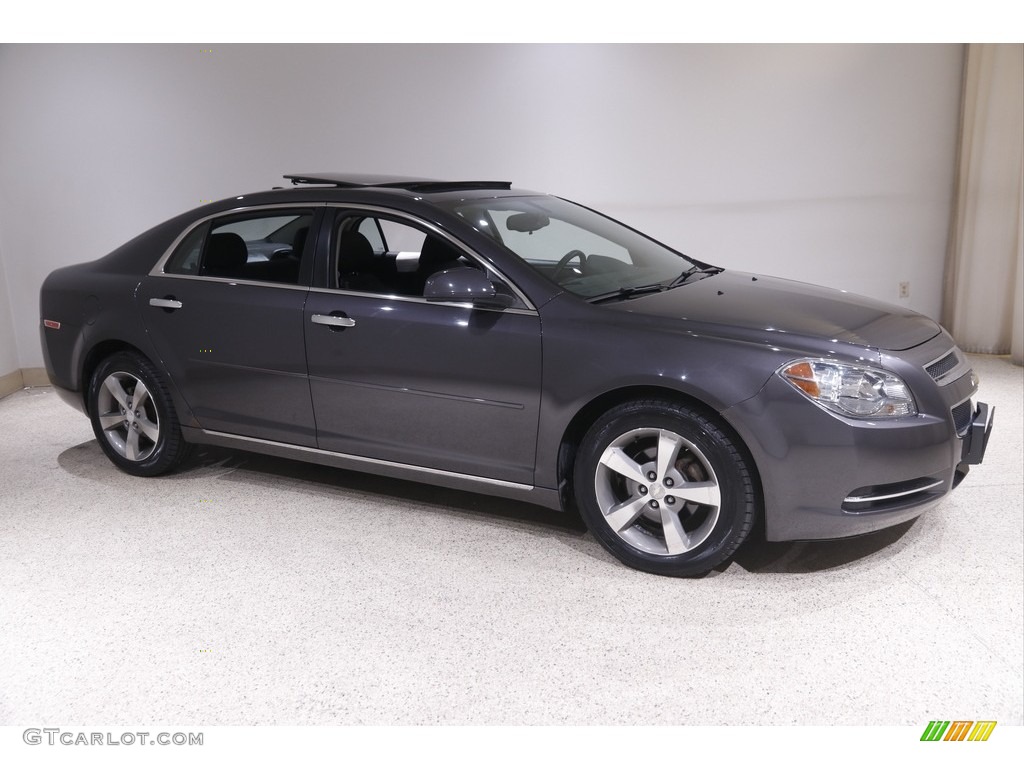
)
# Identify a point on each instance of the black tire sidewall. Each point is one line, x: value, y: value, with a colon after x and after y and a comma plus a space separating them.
x: 737, y: 509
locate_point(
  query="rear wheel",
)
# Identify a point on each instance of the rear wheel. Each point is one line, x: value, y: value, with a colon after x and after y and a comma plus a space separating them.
x: 664, y: 488
x: 133, y: 416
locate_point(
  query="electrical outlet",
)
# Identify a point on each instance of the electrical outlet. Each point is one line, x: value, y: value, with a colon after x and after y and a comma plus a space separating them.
x: 905, y: 290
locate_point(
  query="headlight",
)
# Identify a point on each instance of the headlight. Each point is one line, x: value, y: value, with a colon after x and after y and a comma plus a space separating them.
x: 849, y: 390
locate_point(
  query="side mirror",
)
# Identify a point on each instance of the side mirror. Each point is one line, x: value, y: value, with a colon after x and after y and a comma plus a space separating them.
x: 465, y: 284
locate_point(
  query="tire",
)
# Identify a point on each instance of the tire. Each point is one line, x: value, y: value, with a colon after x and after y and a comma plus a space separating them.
x: 664, y: 488
x: 133, y: 416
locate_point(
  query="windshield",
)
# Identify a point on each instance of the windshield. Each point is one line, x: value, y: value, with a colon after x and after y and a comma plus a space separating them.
x: 580, y: 250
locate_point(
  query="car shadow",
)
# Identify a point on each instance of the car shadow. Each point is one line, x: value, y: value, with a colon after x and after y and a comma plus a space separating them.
x: 760, y: 556
x: 756, y: 555
x: 270, y: 471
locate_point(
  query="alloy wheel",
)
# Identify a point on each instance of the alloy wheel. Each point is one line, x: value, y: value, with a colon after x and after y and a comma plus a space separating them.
x: 128, y: 416
x: 657, y: 491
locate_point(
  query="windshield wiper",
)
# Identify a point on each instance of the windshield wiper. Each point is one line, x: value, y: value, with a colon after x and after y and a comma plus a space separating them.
x: 621, y: 294
x: 698, y: 268
x: 627, y: 293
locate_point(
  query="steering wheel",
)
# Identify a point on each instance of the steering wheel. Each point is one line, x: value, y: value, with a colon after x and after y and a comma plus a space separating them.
x: 563, y: 262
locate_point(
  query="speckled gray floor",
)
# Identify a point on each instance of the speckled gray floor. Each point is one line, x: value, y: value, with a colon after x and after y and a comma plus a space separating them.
x: 249, y: 590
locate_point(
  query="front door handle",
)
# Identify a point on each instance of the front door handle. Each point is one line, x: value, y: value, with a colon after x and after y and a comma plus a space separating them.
x: 168, y: 303
x: 334, y: 321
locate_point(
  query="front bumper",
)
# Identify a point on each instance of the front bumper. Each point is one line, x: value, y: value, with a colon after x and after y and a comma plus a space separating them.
x: 825, y: 477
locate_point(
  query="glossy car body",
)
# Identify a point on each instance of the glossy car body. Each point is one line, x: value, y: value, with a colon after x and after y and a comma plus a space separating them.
x: 282, y: 353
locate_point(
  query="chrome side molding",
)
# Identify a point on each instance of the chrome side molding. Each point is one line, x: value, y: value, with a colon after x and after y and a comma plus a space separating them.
x: 223, y: 438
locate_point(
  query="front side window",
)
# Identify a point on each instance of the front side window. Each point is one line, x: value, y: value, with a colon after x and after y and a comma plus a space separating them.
x: 580, y: 250
x: 380, y: 255
x: 264, y: 247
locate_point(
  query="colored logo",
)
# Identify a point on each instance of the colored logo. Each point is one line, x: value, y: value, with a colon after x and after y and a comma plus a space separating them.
x: 958, y: 730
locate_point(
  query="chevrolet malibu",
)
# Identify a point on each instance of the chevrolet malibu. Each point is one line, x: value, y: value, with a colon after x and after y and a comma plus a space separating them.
x: 479, y: 337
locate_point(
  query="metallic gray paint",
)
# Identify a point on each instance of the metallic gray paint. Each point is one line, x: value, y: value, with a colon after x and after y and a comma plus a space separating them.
x: 776, y: 310
x: 234, y: 348
x: 424, y: 383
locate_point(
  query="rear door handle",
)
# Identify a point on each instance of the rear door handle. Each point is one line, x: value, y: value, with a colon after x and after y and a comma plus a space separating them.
x: 334, y: 321
x: 168, y: 303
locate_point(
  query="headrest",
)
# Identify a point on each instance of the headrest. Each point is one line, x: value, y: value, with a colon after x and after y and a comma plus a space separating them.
x: 226, y: 255
x: 436, y: 253
x: 354, y: 252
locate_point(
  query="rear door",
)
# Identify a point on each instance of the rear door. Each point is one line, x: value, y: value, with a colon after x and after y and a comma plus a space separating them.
x: 225, y: 314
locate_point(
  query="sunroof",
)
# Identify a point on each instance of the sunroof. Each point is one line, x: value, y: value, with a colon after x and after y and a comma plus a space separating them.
x: 413, y: 184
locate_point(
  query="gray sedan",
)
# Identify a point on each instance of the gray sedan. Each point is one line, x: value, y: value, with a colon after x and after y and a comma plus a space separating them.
x: 479, y: 337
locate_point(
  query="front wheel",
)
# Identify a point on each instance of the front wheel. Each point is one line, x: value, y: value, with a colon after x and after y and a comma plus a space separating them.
x: 133, y: 416
x: 664, y: 488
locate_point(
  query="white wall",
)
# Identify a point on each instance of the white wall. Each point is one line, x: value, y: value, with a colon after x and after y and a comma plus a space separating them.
x: 832, y: 164
x: 8, y: 348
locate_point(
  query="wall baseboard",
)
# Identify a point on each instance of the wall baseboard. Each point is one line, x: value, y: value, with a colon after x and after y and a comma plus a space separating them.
x: 35, y: 377
x: 21, y: 378
x: 11, y: 382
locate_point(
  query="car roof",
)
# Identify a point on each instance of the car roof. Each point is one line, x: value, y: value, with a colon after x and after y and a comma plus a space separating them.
x: 408, y: 183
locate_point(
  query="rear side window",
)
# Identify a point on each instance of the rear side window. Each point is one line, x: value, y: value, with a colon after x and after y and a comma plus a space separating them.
x: 185, y: 259
x: 264, y: 247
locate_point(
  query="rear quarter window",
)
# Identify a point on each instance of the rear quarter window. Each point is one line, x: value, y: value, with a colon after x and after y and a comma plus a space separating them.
x: 185, y: 259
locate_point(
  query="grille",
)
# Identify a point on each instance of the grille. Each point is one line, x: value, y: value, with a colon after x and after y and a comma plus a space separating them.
x: 943, y: 365
x: 962, y: 416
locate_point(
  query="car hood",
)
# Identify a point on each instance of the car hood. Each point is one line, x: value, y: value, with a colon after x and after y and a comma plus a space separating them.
x: 768, y: 304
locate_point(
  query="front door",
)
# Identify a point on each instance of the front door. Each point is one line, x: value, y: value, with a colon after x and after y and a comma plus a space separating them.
x: 397, y: 378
